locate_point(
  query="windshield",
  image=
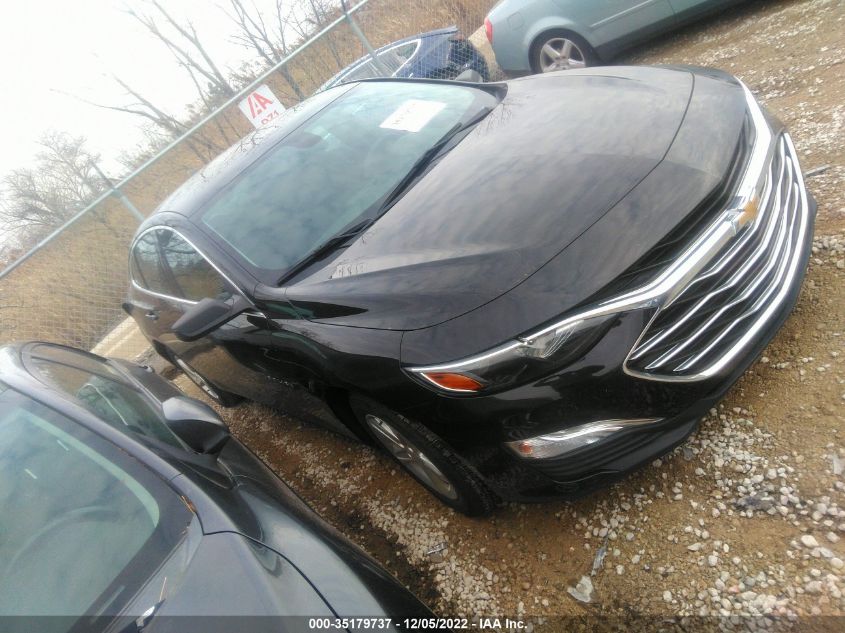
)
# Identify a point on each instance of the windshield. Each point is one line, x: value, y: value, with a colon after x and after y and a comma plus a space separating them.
x: 334, y: 169
x: 83, y: 524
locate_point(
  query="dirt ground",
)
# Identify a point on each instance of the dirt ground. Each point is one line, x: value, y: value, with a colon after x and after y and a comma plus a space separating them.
x: 747, y: 518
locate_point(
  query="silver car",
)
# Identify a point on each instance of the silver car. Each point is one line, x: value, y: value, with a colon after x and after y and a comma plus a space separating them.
x: 547, y: 35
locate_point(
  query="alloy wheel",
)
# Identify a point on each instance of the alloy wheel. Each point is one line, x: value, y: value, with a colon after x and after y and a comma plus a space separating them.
x: 411, y: 457
x: 560, y: 53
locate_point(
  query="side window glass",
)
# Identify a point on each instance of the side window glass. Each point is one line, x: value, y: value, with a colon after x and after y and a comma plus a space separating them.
x: 396, y: 57
x: 367, y: 70
x: 145, y: 265
x: 191, y: 273
x: 116, y: 403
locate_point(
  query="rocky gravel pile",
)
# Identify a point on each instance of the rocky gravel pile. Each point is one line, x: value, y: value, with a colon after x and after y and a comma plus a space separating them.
x: 735, y: 477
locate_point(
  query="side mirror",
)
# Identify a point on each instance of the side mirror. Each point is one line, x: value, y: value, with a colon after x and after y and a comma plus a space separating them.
x: 196, y: 424
x: 208, y: 315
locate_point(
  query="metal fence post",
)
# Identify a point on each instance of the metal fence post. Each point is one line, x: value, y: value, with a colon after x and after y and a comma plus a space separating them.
x: 360, y: 35
x: 117, y: 193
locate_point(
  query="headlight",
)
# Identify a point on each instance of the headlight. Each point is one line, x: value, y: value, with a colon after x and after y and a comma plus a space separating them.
x: 519, y: 360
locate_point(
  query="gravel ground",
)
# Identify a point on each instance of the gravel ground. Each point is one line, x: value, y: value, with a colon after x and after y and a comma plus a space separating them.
x: 746, y: 520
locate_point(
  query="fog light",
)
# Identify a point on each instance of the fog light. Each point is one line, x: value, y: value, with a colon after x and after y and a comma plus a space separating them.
x: 571, y: 439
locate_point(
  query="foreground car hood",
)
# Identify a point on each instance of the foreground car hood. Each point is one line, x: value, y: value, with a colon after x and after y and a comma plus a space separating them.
x: 557, y: 154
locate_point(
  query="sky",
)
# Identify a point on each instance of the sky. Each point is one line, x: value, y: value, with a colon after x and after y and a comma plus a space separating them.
x: 52, y: 49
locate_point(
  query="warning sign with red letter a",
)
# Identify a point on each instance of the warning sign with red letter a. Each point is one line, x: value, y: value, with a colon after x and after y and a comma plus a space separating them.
x: 261, y: 106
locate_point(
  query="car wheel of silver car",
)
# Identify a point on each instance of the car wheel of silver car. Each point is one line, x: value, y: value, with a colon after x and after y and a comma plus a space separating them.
x: 561, y: 50
x: 426, y: 457
x: 223, y: 398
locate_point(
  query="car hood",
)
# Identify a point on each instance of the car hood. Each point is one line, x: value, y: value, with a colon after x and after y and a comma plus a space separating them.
x: 548, y: 163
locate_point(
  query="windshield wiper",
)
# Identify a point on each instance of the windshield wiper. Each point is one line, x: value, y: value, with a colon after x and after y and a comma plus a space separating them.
x: 427, y: 158
x: 329, y: 246
x: 416, y: 170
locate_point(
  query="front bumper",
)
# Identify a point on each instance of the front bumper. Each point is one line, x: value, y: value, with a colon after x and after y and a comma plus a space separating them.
x: 578, y: 473
x: 679, y: 403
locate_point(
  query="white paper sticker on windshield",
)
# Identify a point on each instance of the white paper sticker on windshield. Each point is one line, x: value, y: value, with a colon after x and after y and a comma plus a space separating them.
x: 413, y: 115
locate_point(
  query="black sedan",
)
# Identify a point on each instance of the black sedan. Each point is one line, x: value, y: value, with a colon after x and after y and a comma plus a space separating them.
x: 520, y: 290
x: 126, y: 506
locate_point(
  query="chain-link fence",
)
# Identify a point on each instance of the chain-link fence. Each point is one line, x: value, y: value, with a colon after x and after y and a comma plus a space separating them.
x: 70, y: 289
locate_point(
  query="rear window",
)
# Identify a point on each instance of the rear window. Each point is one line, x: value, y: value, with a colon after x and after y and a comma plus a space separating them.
x: 333, y: 170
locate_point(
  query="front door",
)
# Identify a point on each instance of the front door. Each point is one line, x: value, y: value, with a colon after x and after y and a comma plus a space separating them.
x: 616, y: 20
x: 686, y: 9
x: 169, y: 276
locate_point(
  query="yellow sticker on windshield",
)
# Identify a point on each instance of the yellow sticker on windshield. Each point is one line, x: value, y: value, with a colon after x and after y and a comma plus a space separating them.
x: 413, y: 115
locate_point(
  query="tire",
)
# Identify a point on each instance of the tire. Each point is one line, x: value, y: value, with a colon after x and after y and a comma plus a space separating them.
x: 220, y: 396
x: 426, y: 457
x: 573, y: 50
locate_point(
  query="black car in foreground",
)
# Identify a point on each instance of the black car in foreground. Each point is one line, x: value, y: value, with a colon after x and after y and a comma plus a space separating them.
x: 520, y: 290
x: 126, y: 506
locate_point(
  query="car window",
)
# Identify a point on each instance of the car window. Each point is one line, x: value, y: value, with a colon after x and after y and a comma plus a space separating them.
x: 83, y: 524
x: 116, y: 402
x: 145, y: 266
x: 365, y: 70
x: 195, y: 278
x: 396, y: 57
x: 392, y: 59
x: 333, y: 170
x: 165, y: 263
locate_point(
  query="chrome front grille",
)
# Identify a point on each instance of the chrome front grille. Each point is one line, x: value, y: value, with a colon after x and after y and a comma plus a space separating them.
x: 720, y: 311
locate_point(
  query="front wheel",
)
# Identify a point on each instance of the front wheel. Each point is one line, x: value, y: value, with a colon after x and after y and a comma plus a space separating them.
x: 425, y: 457
x: 561, y: 50
x: 221, y: 397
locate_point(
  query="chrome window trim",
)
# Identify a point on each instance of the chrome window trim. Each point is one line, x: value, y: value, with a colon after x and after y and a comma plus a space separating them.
x: 138, y: 286
x: 663, y: 290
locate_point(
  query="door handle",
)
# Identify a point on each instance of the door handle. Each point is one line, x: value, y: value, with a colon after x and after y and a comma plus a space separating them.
x: 152, y: 315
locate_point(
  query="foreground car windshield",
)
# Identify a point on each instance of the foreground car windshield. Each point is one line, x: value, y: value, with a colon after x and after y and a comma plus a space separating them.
x: 334, y: 170
x: 84, y: 525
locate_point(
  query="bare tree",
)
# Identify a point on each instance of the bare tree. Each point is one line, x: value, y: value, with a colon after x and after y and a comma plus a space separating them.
x: 143, y: 107
x: 184, y: 43
x: 316, y: 14
x: 269, y: 42
x: 62, y: 181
